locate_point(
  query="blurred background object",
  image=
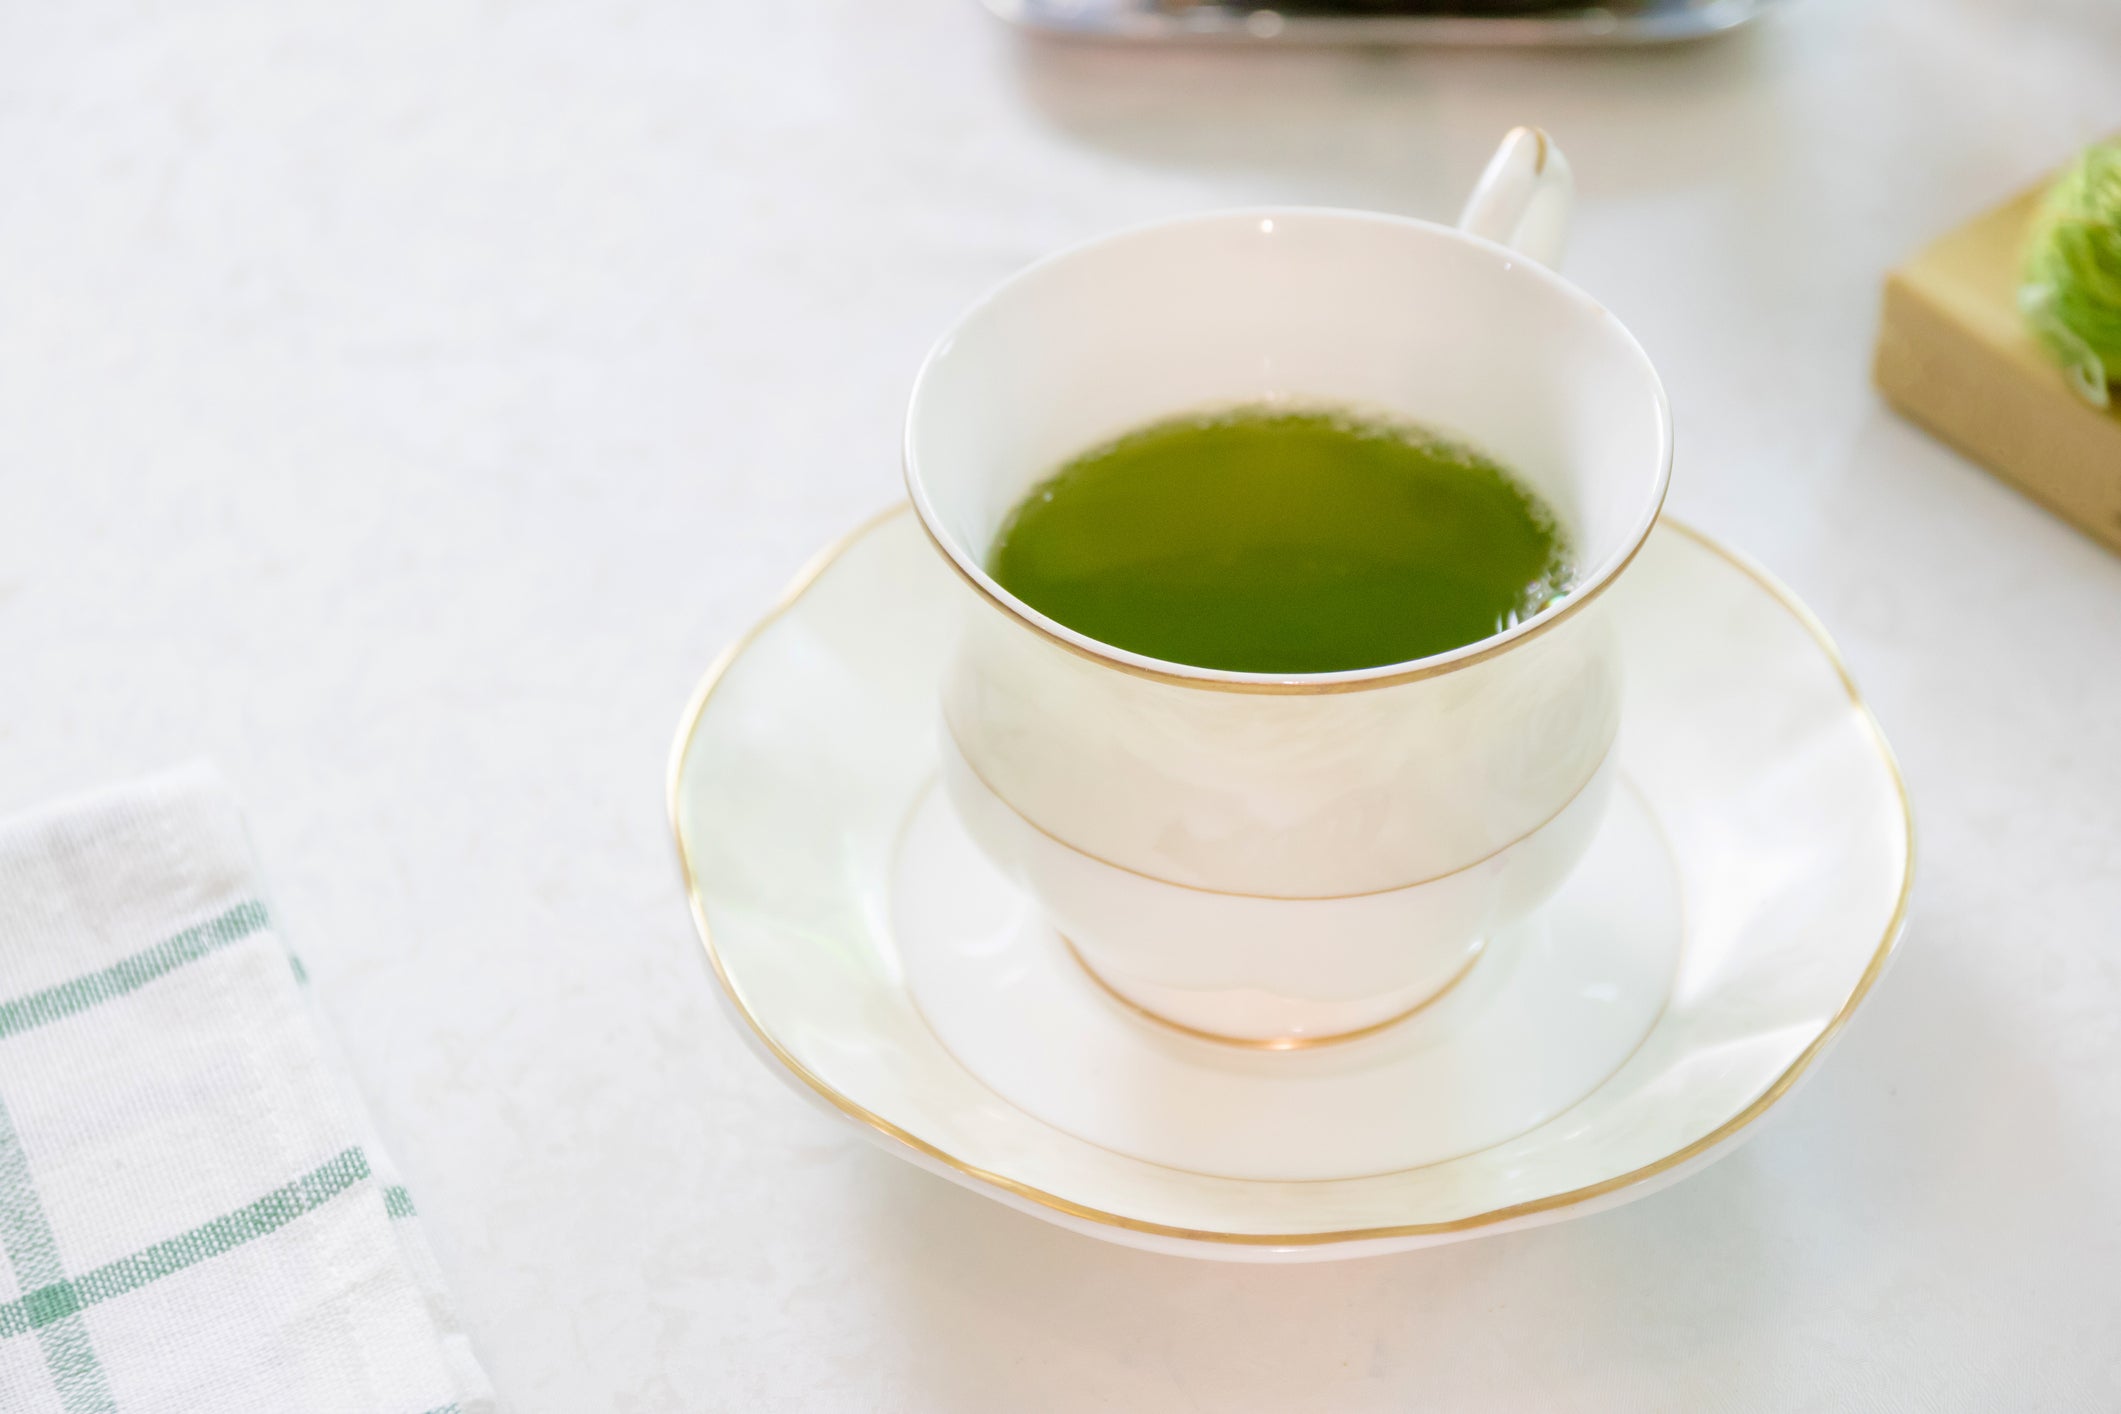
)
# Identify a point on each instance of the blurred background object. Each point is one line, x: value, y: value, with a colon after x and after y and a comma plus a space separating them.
x: 1536, y: 22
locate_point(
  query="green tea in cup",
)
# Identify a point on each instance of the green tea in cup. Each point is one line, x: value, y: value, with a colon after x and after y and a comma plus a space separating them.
x: 1268, y: 540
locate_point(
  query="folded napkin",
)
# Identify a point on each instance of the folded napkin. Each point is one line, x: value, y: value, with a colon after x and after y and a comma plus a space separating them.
x: 194, y: 1214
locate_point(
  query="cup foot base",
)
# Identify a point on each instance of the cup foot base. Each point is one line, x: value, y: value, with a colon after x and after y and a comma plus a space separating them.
x: 1295, y: 1025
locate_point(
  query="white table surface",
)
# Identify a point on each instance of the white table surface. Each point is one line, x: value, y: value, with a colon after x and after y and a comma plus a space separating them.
x: 401, y: 402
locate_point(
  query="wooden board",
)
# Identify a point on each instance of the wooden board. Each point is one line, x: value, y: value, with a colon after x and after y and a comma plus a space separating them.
x: 1955, y: 356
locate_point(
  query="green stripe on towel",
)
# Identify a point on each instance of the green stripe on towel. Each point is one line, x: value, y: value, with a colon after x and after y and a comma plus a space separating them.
x: 50, y: 1305
x: 131, y: 973
x: 60, y: 1298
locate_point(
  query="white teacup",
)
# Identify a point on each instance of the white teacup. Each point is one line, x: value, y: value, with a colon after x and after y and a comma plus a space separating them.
x: 1283, y: 858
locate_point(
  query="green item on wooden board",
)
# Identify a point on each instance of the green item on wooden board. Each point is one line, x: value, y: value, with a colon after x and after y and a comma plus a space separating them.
x: 2071, y: 289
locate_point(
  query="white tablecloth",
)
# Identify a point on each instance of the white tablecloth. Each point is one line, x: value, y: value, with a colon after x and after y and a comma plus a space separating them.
x: 401, y: 402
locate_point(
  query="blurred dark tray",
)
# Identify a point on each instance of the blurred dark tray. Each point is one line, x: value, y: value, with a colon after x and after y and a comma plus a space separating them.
x: 1385, y: 22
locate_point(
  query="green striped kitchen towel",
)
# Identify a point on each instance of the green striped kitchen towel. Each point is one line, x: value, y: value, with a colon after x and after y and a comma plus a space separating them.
x: 193, y: 1213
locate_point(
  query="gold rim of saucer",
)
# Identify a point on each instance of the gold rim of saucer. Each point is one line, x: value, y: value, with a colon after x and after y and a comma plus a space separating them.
x: 1552, y: 1202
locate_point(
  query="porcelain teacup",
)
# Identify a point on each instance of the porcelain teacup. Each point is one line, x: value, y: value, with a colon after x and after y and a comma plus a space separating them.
x: 1282, y: 859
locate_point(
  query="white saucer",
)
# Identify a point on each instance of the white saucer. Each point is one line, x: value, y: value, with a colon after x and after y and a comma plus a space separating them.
x: 1743, y: 895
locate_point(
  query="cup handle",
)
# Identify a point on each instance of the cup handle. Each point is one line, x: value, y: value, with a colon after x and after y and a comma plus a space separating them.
x: 1522, y: 200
